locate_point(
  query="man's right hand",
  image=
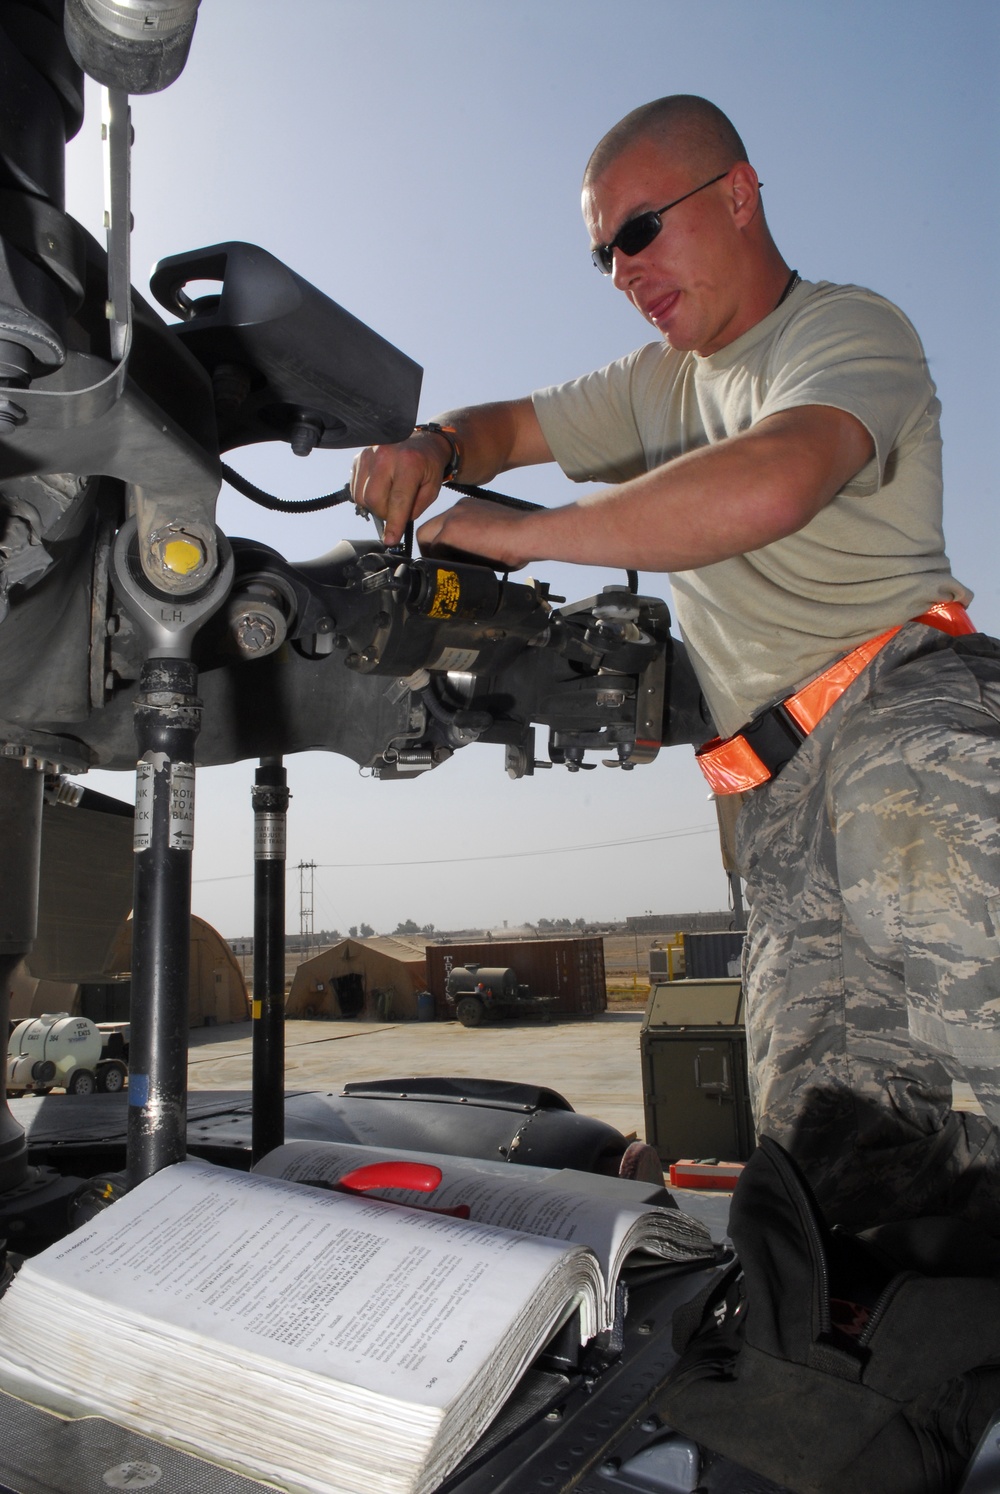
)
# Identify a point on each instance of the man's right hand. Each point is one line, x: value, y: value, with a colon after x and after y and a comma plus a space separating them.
x: 397, y: 482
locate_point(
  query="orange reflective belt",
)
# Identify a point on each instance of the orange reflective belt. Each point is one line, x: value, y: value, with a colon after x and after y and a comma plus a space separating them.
x: 736, y: 764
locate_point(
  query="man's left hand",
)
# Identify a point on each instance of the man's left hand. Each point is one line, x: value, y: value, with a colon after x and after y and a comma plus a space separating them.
x: 477, y: 527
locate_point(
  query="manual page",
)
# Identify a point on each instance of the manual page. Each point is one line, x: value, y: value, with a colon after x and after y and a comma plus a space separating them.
x: 511, y: 1197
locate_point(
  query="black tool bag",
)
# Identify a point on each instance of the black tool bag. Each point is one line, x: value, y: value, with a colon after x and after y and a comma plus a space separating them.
x: 840, y: 1364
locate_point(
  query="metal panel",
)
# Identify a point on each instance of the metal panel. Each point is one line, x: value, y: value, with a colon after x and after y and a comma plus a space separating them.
x: 572, y: 970
x: 712, y: 955
x: 694, y: 1003
x: 696, y: 1092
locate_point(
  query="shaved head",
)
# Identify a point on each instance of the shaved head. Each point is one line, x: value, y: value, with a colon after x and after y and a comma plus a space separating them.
x: 715, y: 271
x: 681, y: 123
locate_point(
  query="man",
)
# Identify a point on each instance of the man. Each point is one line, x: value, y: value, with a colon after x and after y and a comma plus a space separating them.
x: 778, y: 453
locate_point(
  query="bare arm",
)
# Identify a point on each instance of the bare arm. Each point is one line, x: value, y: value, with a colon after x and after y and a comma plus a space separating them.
x: 398, y: 482
x: 722, y: 500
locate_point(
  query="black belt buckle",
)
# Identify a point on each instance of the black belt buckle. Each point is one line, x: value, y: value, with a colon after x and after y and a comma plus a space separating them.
x: 775, y: 737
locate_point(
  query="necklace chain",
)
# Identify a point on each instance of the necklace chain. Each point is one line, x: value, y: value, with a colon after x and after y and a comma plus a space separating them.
x: 793, y: 281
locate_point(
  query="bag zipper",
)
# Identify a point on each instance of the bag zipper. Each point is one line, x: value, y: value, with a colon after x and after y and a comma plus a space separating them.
x: 882, y: 1305
x: 813, y: 1232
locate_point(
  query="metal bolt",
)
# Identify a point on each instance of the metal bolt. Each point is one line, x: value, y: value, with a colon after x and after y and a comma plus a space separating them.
x: 610, y: 1466
x: 11, y: 415
x: 305, y: 435
x: 254, y: 631
x: 176, y: 552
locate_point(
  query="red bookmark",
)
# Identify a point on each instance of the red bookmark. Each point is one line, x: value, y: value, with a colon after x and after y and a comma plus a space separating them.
x: 418, y: 1177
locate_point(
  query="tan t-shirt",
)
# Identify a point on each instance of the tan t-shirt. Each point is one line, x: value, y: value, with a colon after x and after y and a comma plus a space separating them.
x: 762, y: 623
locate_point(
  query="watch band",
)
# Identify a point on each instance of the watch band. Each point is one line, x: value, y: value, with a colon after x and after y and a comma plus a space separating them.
x: 451, y: 436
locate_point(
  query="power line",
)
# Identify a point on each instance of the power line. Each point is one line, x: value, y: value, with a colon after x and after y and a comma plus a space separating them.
x: 595, y: 845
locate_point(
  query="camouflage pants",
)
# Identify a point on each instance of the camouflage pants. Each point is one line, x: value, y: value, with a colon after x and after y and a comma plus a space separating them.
x: 872, y: 967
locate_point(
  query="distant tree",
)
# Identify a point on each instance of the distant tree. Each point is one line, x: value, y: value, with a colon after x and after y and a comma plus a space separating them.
x: 366, y: 931
x: 428, y: 928
x: 353, y: 931
x: 409, y: 927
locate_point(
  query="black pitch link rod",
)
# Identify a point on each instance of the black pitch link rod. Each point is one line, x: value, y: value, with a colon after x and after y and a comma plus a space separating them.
x: 343, y: 495
x: 167, y: 722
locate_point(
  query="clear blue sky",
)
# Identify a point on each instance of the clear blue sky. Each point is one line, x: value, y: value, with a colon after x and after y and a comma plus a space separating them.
x: 421, y: 163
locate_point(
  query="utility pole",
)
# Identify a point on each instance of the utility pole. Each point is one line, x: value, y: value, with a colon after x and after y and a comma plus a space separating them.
x: 306, y: 891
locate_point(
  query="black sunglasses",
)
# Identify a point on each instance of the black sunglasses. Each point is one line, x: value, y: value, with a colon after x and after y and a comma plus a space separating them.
x: 639, y: 232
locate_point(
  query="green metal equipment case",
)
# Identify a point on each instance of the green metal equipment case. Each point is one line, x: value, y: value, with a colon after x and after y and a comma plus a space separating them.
x: 694, y: 1071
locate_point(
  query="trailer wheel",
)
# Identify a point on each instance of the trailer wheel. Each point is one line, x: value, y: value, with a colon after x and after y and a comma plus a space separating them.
x: 82, y: 1082
x: 111, y: 1077
x: 470, y: 1011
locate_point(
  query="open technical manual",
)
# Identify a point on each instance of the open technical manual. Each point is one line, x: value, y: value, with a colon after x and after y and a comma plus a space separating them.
x: 317, y: 1339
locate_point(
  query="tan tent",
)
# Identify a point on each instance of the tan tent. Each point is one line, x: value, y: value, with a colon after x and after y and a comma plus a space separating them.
x: 30, y: 997
x: 85, y: 888
x: 369, y: 980
x: 218, y: 991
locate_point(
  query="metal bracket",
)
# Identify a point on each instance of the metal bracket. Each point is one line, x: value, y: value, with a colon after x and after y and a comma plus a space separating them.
x: 168, y: 623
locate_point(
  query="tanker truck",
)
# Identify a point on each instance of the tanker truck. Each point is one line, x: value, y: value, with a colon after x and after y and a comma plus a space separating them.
x: 57, y: 1051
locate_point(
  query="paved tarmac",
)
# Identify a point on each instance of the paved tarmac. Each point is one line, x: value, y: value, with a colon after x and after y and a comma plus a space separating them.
x: 593, y: 1063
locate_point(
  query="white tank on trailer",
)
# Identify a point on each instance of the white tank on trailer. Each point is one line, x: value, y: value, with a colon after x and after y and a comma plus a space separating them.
x: 49, y: 1050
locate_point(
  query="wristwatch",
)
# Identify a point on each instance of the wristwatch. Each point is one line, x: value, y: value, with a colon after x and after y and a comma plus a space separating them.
x: 451, y: 436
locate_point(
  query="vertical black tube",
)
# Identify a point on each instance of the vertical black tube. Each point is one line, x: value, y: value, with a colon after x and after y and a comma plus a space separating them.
x: 21, y: 843
x: 167, y: 720
x: 270, y: 807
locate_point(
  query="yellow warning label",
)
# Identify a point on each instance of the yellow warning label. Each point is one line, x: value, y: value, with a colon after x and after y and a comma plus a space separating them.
x: 258, y: 1007
x: 446, y: 597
